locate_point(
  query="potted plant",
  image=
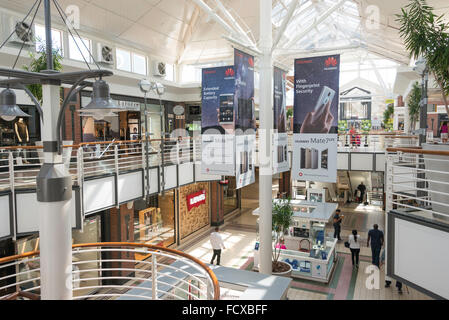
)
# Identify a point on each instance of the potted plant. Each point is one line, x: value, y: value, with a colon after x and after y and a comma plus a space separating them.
x: 282, y: 219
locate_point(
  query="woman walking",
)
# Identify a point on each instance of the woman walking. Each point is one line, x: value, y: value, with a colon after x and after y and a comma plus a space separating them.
x: 354, y: 245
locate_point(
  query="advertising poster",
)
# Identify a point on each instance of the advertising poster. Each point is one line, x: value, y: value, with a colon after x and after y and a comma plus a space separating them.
x: 218, y: 121
x: 316, y: 102
x: 245, y: 123
x: 245, y: 146
x: 280, y: 137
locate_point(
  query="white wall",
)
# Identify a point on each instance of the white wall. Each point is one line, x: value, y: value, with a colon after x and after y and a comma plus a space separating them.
x: 421, y: 256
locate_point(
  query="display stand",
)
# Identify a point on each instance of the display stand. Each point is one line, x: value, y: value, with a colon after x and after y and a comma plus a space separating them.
x: 311, y: 254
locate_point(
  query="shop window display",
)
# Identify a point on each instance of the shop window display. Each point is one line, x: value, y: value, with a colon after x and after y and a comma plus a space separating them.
x: 230, y: 196
x: 155, y: 225
x: 89, y: 234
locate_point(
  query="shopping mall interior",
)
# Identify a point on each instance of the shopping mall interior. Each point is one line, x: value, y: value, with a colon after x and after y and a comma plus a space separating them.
x: 224, y: 150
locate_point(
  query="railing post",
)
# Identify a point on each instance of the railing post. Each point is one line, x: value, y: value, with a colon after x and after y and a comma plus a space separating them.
x: 209, y: 290
x: 154, y: 276
x: 177, y: 151
x: 12, y: 188
x: 117, y: 202
x: 388, y: 202
x: 389, y: 184
x: 194, y: 150
x: 80, y: 175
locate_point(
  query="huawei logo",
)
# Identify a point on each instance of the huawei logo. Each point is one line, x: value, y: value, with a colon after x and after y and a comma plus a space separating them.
x: 251, y: 62
x: 331, y: 62
x: 229, y: 72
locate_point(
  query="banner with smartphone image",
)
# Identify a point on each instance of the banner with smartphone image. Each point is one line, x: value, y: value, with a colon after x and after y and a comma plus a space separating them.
x: 316, y: 101
x: 218, y: 121
x: 280, y: 136
x: 245, y: 122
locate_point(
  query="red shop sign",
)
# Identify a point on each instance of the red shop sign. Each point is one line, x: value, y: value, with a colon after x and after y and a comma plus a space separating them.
x: 196, y: 199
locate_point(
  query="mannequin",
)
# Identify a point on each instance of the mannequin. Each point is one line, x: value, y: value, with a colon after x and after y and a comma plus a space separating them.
x: 21, y: 130
x: 22, y: 135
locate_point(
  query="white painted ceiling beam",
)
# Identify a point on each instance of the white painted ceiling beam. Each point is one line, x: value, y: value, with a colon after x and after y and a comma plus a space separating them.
x: 285, y: 23
x: 188, y: 34
x: 215, y: 17
x: 234, y: 23
x: 317, y: 21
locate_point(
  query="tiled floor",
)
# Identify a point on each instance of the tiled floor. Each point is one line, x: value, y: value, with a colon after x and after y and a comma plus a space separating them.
x: 347, y: 283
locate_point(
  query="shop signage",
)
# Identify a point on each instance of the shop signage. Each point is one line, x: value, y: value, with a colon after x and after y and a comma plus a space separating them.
x: 196, y: 199
x: 178, y: 110
x: 129, y: 105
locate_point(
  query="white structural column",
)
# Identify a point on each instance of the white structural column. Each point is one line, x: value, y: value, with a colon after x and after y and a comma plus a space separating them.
x: 55, y: 229
x: 407, y: 124
x: 266, y: 125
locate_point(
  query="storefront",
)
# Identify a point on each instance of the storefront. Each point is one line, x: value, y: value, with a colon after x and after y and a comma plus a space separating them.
x: 21, y: 131
x: 194, y: 208
x: 230, y: 196
x: 155, y: 223
x: 90, y: 233
x: 126, y: 125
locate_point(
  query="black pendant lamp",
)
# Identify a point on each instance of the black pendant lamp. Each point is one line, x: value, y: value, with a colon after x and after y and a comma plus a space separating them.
x: 9, y: 110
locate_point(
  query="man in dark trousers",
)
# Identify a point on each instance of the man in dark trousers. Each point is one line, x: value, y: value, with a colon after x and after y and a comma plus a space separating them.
x: 362, y: 189
x: 217, y: 244
x: 337, y: 224
x: 376, y: 238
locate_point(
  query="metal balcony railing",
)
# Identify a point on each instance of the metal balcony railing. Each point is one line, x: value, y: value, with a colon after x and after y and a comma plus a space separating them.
x: 417, y: 183
x: 116, y: 270
x: 20, y: 165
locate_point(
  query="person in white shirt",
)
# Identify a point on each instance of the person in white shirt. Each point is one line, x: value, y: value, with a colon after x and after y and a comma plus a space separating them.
x: 354, y: 246
x: 217, y: 244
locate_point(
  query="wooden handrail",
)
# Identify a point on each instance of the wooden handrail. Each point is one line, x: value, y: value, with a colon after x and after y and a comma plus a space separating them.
x: 401, y: 137
x: 76, y: 146
x: 28, y: 295
x: 416, y: 150
x: 130, y: 244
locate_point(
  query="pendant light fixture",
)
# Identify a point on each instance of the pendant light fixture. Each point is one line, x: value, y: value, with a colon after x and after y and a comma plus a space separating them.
x: 101, y: 105
x: 9, y: 110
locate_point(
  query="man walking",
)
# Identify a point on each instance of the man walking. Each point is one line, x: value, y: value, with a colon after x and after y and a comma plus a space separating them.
x: 217, y: 244
x: 362, y: 189
x: 376, y: 237
x: 337, y: 224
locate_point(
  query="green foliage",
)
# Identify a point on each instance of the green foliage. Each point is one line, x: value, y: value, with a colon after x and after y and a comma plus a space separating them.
x: 281, y: 221
x: 426, y: 35
x: 388, y: 113
x: 388, y: 125
x: 366, y: 125
x: 290, y: 113
x: 414, y: 104
x: 39, y: 63
x: 342, y: 126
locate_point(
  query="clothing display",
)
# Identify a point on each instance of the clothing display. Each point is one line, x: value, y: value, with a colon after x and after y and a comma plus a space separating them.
x: 21, y: 131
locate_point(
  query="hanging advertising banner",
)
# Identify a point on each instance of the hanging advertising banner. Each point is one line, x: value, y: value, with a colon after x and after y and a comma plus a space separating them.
x: 280, y: 137
x: 218, y: 121
x: 245, y: 123
x: 316, y: 101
